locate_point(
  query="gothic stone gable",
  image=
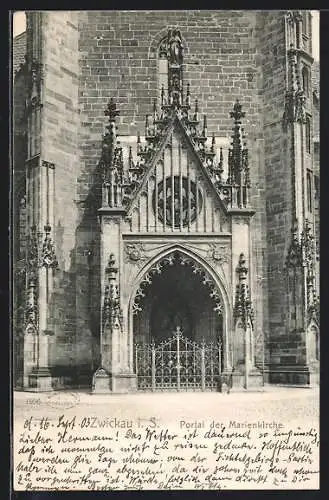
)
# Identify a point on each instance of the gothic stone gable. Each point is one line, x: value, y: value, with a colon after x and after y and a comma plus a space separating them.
x: 176, y: 193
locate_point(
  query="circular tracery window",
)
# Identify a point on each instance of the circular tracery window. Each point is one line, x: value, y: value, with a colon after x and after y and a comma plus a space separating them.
x: 177, y: 201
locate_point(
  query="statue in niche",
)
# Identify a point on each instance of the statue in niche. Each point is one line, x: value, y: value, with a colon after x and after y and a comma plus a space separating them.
x: 175, y: 47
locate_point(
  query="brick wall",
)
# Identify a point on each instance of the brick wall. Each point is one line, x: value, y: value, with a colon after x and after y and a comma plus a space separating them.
x: 19, y: 93
x: 271, y: 37
x: 60, y: 127
x: 18, y: 170
x: 92, y: 56
x: 19, y: 158
x: 19, y: 51
x: 118, y: 58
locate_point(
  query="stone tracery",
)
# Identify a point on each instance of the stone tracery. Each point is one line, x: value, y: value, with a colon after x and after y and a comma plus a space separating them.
x: 184, y: 260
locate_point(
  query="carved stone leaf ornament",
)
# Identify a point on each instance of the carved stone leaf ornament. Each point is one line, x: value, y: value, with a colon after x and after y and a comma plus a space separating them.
x: 135, y: 252
x: 218, y: 253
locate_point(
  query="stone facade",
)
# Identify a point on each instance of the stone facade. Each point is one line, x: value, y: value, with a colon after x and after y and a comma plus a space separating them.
x: 78, y: 61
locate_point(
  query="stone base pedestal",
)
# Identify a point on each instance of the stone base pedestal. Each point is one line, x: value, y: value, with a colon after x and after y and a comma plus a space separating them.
x: 119, y: 383
x: 254, y: 380
x: 314, y: 370
x: 40, y: 380
x: 236, y: 381
x: 314, y: 378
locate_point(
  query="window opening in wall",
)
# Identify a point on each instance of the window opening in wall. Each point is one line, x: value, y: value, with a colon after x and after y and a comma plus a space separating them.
x: 308, y: 134
x: 317, y: 345
x: 309, y: 191
x: 297, y: 35
x: 179, y: 201
x: 316, y: 187
x: 304, y: 24
x: 306, y: 30
x: 162, y: 67
x: 306, y: 80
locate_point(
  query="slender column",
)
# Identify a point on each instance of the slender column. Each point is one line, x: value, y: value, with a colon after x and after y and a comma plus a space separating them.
x: 153, y: 365
x: 48, y: 260
x: 28, y: 197
x: 172, y: 190
x: 51, y: 202
x: 148, y: 206
x: 299, y: 30
x: 115, y: 348
x: 139, y: 213
x: 197, y: 202
x: 35, y: 194
x: 42, y: 374
x: 203, y: 368
x: 226, y: 348
x: 136, y: 360
x: 180, y: 187
x: 156, y: 201
x: 246, y: 357
x: 219, y: 356
x: 178, y: 358
x: 205, y: 201
x: 188, y: 197
x: 164, y: 193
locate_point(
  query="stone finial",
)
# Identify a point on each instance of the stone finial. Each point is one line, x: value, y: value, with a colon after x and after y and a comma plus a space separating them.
x: 238, y: 154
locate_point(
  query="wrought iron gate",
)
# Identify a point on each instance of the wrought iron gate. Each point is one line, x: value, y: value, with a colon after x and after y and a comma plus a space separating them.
x: 178, y: 364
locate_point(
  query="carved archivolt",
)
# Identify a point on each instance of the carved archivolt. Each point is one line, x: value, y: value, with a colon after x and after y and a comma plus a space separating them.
x: 184, y: 260
x: 136, y: 254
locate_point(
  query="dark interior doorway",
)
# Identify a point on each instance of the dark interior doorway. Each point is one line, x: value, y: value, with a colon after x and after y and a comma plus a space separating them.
x: 177, y: 298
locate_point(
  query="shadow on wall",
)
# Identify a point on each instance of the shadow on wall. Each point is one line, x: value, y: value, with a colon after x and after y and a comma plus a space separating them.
x: 74, y: 311
x: 18, y: 223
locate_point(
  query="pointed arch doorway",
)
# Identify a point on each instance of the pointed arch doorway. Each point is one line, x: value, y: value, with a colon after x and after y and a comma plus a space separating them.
x: 178, y: 327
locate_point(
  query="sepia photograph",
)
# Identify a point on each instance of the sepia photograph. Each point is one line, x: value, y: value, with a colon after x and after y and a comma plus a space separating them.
x: 165, y: 222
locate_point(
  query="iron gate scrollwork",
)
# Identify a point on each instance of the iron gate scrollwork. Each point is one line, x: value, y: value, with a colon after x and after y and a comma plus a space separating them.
x: 178, y: 364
